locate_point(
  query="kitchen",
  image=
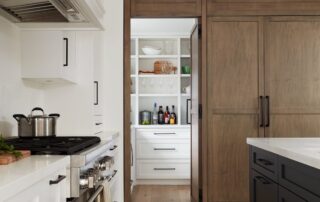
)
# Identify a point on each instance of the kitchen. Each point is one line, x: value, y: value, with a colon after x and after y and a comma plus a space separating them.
x: 254, y: 89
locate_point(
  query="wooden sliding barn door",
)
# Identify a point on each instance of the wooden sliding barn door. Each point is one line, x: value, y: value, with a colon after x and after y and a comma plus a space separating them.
x: 292, y: 62
x: 234, y: 85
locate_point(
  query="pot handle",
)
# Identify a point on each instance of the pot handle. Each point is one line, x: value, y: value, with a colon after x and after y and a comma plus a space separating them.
x: 55, y: 115
x: 18, y: 117
x: 37, y: 109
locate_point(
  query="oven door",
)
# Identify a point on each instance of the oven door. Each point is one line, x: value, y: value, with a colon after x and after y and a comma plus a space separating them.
x: 95, y: 194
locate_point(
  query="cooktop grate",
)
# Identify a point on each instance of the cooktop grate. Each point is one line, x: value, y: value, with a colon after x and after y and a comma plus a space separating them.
x: 54, y: 145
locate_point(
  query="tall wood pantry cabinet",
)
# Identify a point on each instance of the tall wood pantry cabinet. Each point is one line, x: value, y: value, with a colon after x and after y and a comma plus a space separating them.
x: 263, y: 81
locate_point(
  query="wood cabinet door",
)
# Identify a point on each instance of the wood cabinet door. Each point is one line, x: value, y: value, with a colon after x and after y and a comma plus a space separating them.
x: 165, y: 8
x: 233, y: 89
x: 292, y: 76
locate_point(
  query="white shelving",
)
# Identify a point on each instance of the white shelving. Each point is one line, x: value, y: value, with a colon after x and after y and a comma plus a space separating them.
x: 164, y: 89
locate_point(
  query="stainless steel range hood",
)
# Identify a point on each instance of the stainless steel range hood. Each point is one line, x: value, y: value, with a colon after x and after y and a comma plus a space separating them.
x: 26, y: 11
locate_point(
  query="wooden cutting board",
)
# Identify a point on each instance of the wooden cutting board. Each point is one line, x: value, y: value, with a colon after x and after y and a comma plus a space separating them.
x: 6, y: 159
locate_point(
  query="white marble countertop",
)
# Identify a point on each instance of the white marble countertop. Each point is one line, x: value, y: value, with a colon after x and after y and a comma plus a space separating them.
x: 303, y: 150
x: 20, y: 175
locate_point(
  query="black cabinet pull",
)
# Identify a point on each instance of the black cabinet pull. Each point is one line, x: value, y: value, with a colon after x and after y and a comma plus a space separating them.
x: 97, y: 92
x: 67, y: 52
x: 262, y: 180
x: 265, y: 162
x: 261, y: 111
x: 156, y: 169
x: 57, y: 181
x: 164, y: 149
x: 268, y: 111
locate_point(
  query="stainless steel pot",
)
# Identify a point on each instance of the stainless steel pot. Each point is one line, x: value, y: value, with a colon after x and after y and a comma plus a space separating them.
x: 36, y: 125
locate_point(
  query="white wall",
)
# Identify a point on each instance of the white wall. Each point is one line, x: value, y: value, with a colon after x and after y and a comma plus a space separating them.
x: 113, y: 72
x: 15, y: 96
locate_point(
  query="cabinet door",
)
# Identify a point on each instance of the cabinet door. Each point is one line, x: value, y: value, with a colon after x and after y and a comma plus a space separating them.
x: 292, y: 80
x: 165, y: 8
x: 233, y: 89
x: 263, y: 189
x: 287, y: 196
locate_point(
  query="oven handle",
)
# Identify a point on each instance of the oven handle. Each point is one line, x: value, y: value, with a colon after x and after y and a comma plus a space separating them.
x: 96, y: 194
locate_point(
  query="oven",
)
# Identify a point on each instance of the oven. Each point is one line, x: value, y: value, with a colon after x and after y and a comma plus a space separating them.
x: 89, y: 171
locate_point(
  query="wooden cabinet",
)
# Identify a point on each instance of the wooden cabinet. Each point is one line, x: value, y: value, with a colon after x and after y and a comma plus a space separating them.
x: 165, y: 8
x: 292, y: 76
x: 233, y: 90
x: 49, y: 56
x: 294, y: 182
x: 262, y: 7
x: 265, y: 189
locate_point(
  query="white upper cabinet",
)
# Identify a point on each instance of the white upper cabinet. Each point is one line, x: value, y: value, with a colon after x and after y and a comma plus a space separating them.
x: 49, y: 57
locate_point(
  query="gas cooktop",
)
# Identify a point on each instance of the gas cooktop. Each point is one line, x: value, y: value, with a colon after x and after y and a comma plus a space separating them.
x: 53, y: 145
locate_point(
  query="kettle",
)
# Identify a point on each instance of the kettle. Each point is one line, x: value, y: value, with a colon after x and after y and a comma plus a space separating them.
x: 36, y: 125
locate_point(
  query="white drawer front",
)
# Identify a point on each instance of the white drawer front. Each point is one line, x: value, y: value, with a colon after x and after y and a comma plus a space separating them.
x: 178, y: 169
x: 163, y: 134
x: 163, y: 149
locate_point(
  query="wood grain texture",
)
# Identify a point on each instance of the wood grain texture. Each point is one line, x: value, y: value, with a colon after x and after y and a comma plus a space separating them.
x: 228, y: 161
x: 166, y: 8
x: 233, y: 66
x: 127, y: 102
x: 292, y: 65
x: 157, y: 193
x: 262, y: 7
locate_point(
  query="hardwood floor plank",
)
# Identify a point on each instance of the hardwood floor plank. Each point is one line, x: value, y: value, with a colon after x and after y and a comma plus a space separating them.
x: 161, y: 193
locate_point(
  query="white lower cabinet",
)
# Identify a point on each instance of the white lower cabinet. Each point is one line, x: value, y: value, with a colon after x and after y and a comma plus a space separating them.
x: 162, y: 154
x: 42, y: 191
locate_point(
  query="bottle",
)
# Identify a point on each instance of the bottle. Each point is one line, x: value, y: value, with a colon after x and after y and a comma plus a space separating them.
x: 155, y: 114
x: 167, y: 116
x: 160, y: 116
x: 173, y: 116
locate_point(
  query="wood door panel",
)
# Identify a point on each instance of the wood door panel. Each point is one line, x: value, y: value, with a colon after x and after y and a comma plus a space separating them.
x: 233, y: 61
x: 304, y: 125
x: 228, y: 159
x: 262, y: 7
x: 165, y: 8
x: 293, y: 66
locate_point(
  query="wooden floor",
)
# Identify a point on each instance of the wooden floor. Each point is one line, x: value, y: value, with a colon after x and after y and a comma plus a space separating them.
x: 161, y: 193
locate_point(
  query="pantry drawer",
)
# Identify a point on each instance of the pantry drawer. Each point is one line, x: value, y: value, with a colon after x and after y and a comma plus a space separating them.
x: 146, y: 134
x: 166, y: 169
x: 163, y: 149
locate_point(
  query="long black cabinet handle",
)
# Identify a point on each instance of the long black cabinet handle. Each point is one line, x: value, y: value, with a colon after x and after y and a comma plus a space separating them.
x: 57, y: 181
x: 265, y: 162
x: 261, y: 111
x: 164, y: 149
x: 164, y: 133
x: 262, y: 180
x: 97, y: 92
x: 268, y: 111
x: 164, y: 169
x: 67, y: 52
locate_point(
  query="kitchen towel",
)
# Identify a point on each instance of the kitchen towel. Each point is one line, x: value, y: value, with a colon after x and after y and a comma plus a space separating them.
x: 106, y: 193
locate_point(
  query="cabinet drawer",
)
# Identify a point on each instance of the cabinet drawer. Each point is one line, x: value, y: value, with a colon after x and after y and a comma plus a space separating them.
x: 263, y: 189
x: 264, y: 162
x: 146, y: 134
x: 163, y: 149
x: 166, y: 169
x: 300, y: 179
x: 287, y: 196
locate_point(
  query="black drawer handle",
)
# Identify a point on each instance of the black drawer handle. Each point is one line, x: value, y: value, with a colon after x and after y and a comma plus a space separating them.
x: 265, y: 162
x: 164, y: 149
x: 57, y: 181
x: 164, y: 169
x: 262, y: 180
